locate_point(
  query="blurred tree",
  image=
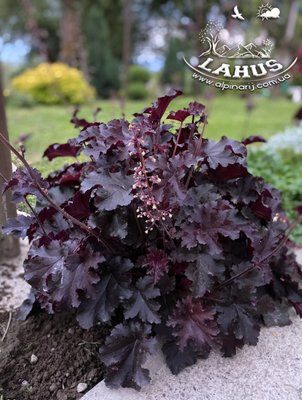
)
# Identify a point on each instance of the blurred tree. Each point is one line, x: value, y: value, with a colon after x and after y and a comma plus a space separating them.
x: 127, y: 26
x: 102, y: 62
x: 9, y: 246
x: 98, y: 36
x: 50, y: 35
x: 36, y: 21
x: 138, y: 78
x: 174, y: 67
x: 33, y: 27
x: 72, y: 50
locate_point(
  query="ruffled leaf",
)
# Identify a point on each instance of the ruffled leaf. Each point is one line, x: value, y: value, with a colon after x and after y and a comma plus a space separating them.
x: 112, y: 289
x: 142, y: 304
x: 62, y: 150
x: 124, y: 353
x: 192, y: 323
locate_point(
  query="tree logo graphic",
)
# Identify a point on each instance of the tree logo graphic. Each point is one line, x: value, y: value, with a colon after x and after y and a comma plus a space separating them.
x: 251, y: 67
x: 211, y: 35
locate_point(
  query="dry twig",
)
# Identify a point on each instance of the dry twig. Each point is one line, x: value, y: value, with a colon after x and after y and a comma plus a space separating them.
x: 7, y: 327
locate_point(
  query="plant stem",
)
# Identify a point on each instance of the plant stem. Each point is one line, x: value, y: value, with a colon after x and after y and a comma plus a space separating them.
x: 177, y: 140
x: 3, y: 177
x: 7, y: 326
x: 36, y: 216
x: 201, y: 136
x: 49, y: 199
x: 197, y: 150
x: 137, y: 221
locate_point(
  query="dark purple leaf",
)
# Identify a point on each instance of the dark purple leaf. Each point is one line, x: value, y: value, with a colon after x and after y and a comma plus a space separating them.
x: 298, y: 115
x: 109, y: 293
x: 176, y: 359
x: 46, y: 214
x: 78, y: 206
x: 159, y: 107
x: 125, y: 352
x: 230, y: 344
x: 179, y: 115
x: 90, y: 181
x: 298, y: 308
x: 257, y: 277
x: 18, y: 226
x: 196, y: 109
x: 27, y: 306
x: 224, y: 174
x: 191, y: 322
x: 80, y: 122
x: 299, y: 209
x: 103, y: 138
x: 79, y: 276
x: 205, y: 224
x: 253, y: 139
x: 115, y: 224
x: 236, y: 317
x: 224, y: 153
x: 265, y: 244
x: 156, y: 263
x: 22, y: 184
x: 202, y: 273
x: 62, y: 273
x: 116, y: 191
x: 142, y: 303
x: 278, y: 316
x: 62, y: 150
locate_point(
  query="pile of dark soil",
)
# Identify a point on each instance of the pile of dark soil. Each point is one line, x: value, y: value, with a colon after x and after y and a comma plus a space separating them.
x: 47, y: 356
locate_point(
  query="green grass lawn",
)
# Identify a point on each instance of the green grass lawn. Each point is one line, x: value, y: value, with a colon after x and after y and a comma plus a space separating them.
x: 227, y: 116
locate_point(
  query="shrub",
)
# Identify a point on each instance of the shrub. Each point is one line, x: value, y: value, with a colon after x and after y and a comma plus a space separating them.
x: 297, y: 81
x: 137, y: 91
x: 290, y: 139
x: 54, y: 84
x: 161, y: 234
x: 138, y: 77
x: 17, y: 99
x: 138, y: 74
x: 279, y: 163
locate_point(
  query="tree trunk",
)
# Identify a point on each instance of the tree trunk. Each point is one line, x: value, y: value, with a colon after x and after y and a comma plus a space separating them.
x: 200, y: 24
x: 33, y: 28
x: 209, y: 51
x: 127, y: 25
x: 72, y: 50
x: 215, y: 44
x: 284, y: 52
x: 9, y: 246
x: 292, y: 22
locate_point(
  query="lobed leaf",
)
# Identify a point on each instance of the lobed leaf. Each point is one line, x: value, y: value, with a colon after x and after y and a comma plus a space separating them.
x: 124, y: 353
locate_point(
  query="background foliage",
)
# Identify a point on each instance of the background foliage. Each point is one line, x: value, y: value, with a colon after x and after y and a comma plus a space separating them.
x: 54, y: 84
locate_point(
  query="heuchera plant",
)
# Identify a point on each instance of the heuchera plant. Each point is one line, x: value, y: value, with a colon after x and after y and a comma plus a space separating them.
x: 161, y: 234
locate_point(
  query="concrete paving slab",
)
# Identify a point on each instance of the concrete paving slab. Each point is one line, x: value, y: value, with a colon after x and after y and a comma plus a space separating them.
x: 13, y: 287
x: 272, y: 370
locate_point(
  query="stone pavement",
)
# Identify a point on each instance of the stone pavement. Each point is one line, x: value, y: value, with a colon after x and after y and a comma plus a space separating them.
x: 272, y: 370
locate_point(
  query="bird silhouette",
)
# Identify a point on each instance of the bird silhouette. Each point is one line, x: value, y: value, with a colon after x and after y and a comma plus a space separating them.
x: 237, y: 14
